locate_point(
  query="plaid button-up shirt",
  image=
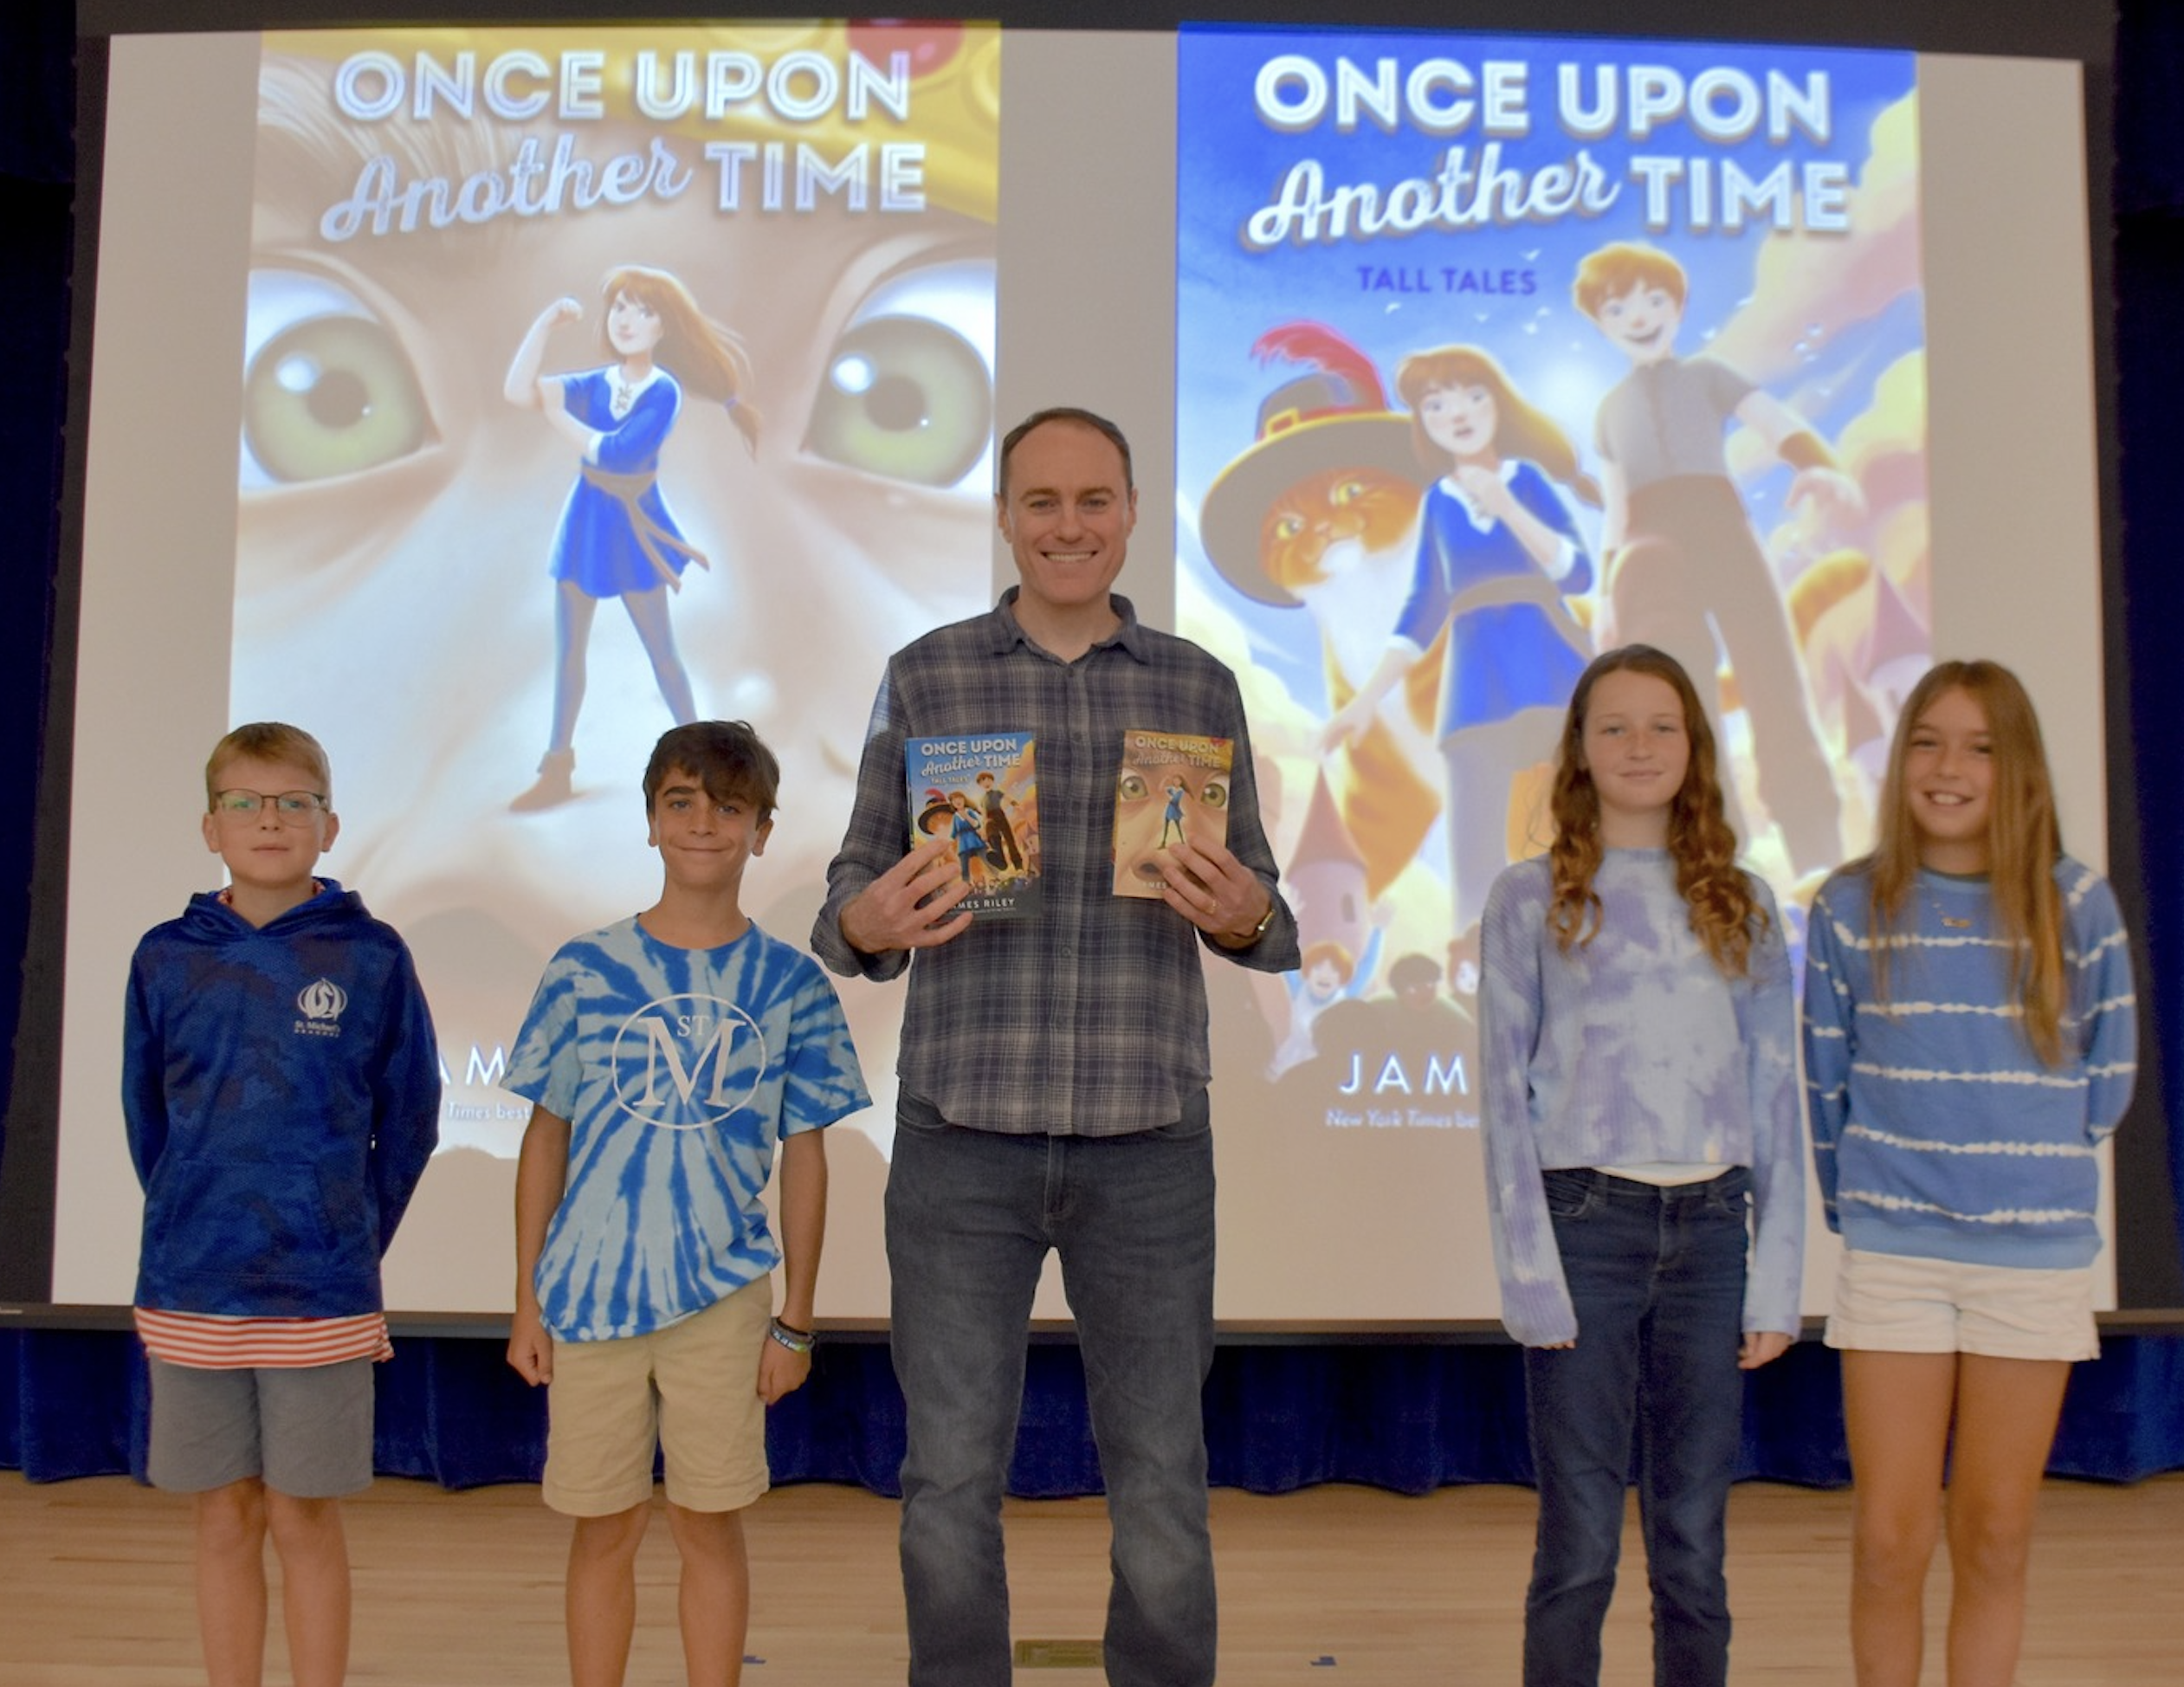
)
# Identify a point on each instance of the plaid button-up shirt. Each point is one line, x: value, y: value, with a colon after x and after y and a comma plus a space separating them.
x: 1089, y: 1018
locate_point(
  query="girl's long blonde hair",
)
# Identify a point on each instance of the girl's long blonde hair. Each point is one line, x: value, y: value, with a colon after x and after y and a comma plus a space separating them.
x: 706, y: 358
x: 1725, y: 916
x: 2023, y: 841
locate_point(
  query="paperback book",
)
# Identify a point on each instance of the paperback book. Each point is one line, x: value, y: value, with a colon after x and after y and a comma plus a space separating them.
x: 1171, y: 786
x: 980, y: 791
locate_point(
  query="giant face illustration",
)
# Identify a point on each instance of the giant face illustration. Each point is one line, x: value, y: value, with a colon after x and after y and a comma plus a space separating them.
x: 1158, y: 804
x: 396, y: 513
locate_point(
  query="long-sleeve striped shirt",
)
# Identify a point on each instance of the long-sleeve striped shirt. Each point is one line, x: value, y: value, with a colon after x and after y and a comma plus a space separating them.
x: 1936, y: 1130
x: 1632, y: 1049
x: 1089, y: 1019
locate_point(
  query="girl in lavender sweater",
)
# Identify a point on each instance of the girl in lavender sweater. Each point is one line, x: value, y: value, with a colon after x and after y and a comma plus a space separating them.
x: 1970, y: 1037
x: 1641, y: 1126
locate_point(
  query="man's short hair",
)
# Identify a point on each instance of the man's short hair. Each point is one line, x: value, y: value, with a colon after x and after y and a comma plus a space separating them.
x: 727, y: 758
x: 268, y: 740
x: 1083, y: 418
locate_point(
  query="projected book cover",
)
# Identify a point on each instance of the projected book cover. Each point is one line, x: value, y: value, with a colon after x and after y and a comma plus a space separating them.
x: 982, y: 793
x: 1495, y: 353
x: 1172, y: 786
x: 598, y: 379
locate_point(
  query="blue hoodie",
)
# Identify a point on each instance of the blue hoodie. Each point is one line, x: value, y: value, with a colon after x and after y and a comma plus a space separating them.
x: 282, y: 1088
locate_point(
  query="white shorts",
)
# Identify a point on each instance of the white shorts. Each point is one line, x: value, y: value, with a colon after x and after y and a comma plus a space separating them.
x: 1897, y: 1303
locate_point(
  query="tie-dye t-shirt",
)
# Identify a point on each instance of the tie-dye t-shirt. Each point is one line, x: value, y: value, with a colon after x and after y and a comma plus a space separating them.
x: 678, y: 1069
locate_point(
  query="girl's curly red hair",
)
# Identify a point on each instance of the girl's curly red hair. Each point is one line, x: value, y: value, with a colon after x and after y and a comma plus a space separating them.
x: 1725, y: 916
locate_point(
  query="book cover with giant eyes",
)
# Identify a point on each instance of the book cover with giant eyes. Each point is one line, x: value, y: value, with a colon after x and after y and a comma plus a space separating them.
x: 1171, y: 786
x: 980, y: 790
x: 618, y: 312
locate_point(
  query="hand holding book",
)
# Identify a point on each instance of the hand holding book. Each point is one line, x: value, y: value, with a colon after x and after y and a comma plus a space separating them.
x: 1217, y: 893
x: 911, y: 906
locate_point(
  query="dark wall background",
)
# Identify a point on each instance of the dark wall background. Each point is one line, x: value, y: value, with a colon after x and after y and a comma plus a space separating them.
x: 37, y: 196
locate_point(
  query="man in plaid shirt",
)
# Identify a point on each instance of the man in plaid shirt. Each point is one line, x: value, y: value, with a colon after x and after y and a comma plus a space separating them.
x: 1054, y: 1073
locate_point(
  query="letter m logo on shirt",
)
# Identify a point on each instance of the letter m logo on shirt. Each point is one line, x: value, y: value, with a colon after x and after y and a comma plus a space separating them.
x: 686, y: 1063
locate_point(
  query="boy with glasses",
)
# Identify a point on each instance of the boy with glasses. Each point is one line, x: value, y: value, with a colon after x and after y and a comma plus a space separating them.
x: 281, y: 1086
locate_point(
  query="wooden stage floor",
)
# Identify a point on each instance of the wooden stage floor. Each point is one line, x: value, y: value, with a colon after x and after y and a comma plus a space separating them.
x: 1336, y: 1586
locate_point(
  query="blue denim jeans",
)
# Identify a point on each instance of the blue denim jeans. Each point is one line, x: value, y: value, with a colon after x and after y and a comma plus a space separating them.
x: 970, y: 1217
x: 1657, y: 1276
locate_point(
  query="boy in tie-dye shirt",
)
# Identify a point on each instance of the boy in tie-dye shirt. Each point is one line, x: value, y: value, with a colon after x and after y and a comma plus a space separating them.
x: 666, y: 1056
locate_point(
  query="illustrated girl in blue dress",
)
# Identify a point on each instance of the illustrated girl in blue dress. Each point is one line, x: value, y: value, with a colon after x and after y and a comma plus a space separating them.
x: 617, y: 538
x: 1172, y: 818
x: 1499, y: 551
x: 970, y: 838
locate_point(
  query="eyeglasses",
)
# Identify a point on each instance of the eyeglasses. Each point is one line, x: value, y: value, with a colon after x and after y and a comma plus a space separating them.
x: 295, y: 808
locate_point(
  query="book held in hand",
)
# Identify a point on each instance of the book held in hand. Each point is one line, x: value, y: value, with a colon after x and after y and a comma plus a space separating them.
x: 979, y: 790
x: 1171, y: 786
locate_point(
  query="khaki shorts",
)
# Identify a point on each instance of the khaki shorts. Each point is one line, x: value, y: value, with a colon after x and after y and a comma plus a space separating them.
x: 691, y: 1390
x: 1896, y: 1303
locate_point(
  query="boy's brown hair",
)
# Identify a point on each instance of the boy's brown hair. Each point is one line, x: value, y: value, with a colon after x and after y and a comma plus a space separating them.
x: 727, y: 758
x: 269, y: 741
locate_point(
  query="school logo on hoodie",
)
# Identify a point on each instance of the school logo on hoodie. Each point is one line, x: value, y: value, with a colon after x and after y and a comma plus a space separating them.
x: 320, y: 1002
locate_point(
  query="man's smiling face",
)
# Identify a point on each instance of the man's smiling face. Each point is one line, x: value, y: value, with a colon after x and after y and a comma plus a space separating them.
x: 1067, y: 511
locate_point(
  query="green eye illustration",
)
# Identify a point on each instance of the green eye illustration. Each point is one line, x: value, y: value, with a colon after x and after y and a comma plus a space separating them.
x: 904, y: 398
x: 908, y: 392
x: 328, y: 389
x: 333, y: 396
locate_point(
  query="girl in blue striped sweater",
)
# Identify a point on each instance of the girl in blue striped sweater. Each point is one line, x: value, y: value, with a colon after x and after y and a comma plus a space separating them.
x: 1969, y: 1039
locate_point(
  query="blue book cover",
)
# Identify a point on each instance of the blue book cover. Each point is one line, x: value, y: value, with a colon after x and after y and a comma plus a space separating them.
x: 981, y: 790
x: 1494, y: 351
